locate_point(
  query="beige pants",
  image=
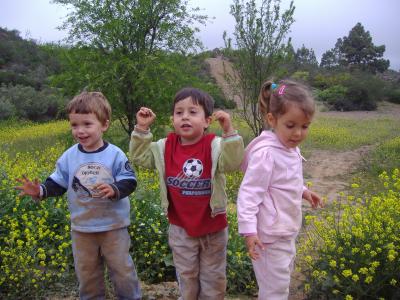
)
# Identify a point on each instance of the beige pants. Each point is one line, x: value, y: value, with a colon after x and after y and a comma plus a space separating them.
x: 200, y: 263
x: 92, y: 252
x: 273, y: 269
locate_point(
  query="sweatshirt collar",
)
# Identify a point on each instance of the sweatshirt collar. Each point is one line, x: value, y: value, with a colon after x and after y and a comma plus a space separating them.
x: 95, y: 151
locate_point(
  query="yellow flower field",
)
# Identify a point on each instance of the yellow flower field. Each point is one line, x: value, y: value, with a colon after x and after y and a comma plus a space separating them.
x: 35, y: 246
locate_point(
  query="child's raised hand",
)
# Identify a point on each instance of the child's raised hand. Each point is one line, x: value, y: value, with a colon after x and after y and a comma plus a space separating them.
x: 103, y: 190
x: 28, y: 187
x: 144, y: 118
x: 224, y: 120
x: 313, y: 198
x: 252, y: 242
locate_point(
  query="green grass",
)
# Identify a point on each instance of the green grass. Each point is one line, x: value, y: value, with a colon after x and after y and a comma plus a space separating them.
x: 333, y: 133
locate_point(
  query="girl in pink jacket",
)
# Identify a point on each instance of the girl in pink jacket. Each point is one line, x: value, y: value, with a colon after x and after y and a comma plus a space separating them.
x: 270, y: 195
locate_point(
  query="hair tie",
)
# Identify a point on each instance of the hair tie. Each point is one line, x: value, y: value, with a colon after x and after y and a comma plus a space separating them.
x: 281, y: 89
x: 274, y: 86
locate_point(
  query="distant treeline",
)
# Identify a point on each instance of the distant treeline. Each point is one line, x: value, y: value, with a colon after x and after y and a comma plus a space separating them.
x: 36, y: 79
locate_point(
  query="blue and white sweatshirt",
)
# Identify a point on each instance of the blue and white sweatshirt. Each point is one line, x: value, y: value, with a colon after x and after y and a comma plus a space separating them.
x: 78, y: 171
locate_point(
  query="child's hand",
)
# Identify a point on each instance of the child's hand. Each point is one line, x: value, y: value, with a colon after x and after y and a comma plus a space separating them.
x: 30, y: 188
x: 313, y: 198
x: 144, y: 118
x: 251, y: 242
x: 224, y: 120
x: 103, y: 190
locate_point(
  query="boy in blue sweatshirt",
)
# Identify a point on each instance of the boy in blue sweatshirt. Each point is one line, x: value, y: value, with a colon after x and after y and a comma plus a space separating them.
x: 98, y: 179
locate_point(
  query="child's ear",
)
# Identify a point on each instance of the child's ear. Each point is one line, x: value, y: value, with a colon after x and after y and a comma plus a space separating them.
x: 271, y: 120
x: 106, y: 125
x: 208, y: 121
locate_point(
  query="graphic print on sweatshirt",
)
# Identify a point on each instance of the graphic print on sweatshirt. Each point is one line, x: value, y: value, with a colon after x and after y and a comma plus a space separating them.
x: 87, y: 177
x: 189, y: 180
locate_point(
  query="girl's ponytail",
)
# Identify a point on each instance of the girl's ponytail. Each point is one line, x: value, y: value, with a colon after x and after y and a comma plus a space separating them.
x: 264, y: 99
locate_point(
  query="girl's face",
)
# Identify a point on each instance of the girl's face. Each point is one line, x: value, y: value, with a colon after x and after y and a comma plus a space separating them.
x: 87, y: 130
x: 291, y: 128
x: 189, y: 121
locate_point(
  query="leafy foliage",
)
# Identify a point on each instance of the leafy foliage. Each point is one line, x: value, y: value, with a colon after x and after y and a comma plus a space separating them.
x: 27, y: 103
x: 332, y: 94
x: 332, y: 58
x: 259, y: 34
x: 325, y: 80
x: 351, y: 91
x: 305, y: 58
x: 359, y: 51
x: 129, y: 50
x: 392, y: 94
x: 23, y: 61
x: 356, y: 51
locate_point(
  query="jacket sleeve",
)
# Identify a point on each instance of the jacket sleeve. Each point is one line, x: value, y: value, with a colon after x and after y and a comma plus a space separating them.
x: 50, y: 188
x: 140, y: 149
x: 123, y: 188
x: 232, y: 152
x: 253, y: 190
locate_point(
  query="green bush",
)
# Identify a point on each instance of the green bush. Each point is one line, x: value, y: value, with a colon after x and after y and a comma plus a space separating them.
x: 324, y: 81
x: 352, y: 250
x: 350, y: 91
x: 364, y: 90
x: 301, y: 75
x: 27, y: 103
x: 393, y: 95
x: 221, y: 102
x: 332, y: 94
x: 7, y: 109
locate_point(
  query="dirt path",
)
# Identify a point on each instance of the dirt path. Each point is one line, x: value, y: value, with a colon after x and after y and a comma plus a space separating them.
x: 330, y: 171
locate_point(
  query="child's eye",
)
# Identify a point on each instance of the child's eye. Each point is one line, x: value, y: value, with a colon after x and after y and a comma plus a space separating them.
x: 290, y: 126
x: 305, y: 126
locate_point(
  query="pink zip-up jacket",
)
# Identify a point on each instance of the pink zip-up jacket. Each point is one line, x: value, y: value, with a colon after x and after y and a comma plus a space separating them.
x: 270, y: 195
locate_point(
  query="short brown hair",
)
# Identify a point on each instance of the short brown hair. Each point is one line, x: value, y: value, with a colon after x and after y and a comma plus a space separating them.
x: 198, y: 97
x: 276, y: 98
x: 91, y: 102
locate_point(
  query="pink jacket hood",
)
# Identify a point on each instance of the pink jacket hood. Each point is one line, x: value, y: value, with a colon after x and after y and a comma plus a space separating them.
x: 265, y: 139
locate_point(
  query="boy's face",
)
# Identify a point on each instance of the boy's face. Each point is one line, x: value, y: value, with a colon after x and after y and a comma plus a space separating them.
x: 87, y: 130
x: 189, y: 121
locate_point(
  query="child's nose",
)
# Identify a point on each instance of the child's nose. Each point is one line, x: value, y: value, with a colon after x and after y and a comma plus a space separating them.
x: 297, y: 132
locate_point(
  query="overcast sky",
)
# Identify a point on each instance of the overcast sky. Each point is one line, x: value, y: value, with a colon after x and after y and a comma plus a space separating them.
x: 318, y: 23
